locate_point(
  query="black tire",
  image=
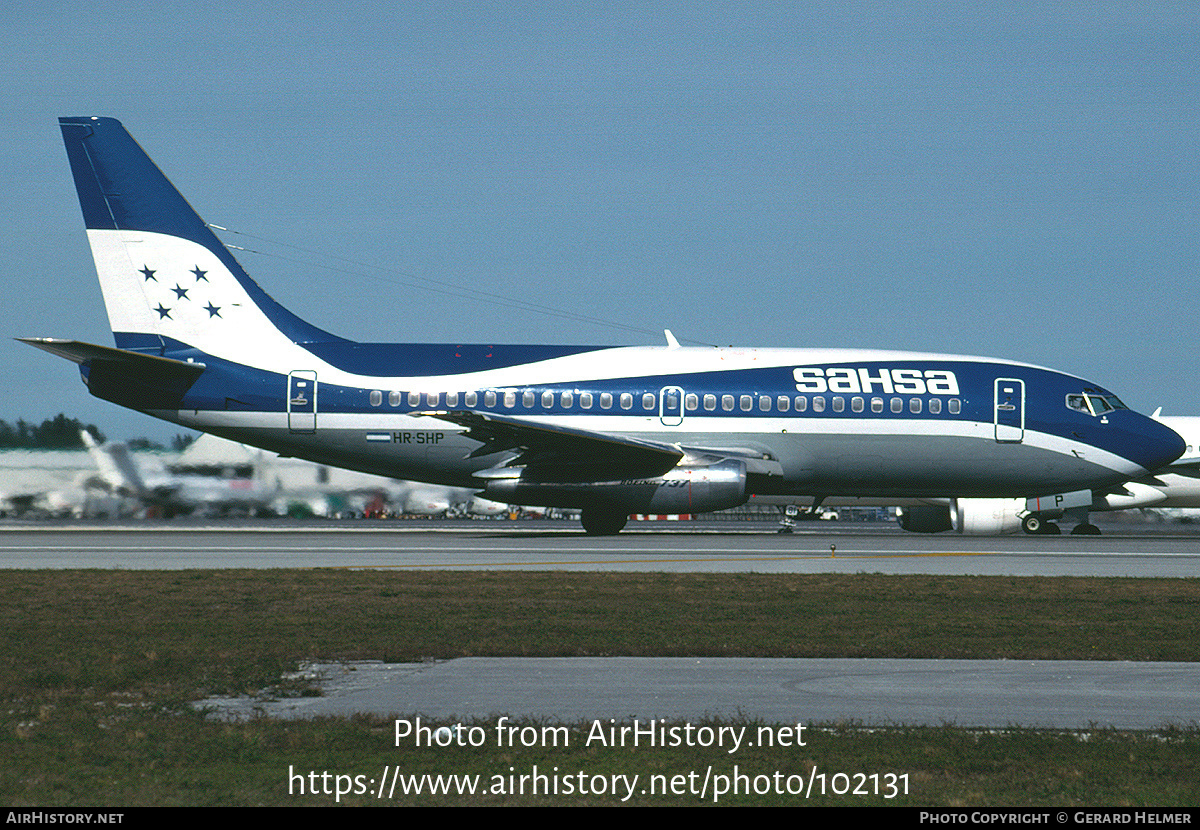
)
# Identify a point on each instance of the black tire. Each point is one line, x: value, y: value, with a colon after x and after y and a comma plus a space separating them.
x: 1085, y: 530
x: 1032, y: 524
x: 603, y: 521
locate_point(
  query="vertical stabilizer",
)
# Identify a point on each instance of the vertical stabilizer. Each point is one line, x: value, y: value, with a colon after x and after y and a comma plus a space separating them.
x: 167, y: 281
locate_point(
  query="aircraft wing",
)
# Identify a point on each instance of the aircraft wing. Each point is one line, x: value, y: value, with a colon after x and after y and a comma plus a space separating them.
x: 589, y: 453
x: 581, y: 455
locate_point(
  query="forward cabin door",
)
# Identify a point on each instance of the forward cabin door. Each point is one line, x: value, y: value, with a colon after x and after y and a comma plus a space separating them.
x: 1010, y: 410
x: 302, y: 401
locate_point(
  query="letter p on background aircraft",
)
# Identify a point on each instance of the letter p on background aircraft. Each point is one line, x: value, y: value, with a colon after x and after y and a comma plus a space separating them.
x: 613, y: 431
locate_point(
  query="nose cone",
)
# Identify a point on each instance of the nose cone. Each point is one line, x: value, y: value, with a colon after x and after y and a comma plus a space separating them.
x: 1153, y: 445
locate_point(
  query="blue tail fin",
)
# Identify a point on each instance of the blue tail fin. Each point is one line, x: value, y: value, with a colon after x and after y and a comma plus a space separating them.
x: 166, y: 278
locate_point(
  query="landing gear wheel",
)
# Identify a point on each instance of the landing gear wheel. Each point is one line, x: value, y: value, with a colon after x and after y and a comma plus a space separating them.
x: 1085, y: 530
x: 603, y: 521
x: 1036, y: 525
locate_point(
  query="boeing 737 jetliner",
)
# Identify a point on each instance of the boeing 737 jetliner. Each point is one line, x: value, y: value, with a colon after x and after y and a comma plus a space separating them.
x: 613, y: 431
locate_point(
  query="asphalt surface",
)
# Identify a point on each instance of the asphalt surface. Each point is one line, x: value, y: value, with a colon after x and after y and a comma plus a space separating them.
x: 974, y: 693
x: 1154, y: 551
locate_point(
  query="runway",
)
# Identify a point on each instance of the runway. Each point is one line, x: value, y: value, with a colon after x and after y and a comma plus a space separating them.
x: 672, y: 547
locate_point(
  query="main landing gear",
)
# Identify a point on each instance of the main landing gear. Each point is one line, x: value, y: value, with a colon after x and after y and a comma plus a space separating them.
x: 603, y: 521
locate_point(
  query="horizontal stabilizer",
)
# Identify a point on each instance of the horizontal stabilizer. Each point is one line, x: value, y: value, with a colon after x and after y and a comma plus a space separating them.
x: 133, y: 379
x: 79, y: 352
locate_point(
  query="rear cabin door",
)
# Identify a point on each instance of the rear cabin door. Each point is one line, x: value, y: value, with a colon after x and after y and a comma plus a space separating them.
x: 302, y: 401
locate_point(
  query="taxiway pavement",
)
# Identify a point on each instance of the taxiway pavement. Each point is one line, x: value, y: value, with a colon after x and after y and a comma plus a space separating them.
x: 1064, y: 694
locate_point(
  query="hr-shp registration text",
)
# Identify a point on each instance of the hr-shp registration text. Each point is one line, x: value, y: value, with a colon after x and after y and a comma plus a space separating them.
x: 705, y: 781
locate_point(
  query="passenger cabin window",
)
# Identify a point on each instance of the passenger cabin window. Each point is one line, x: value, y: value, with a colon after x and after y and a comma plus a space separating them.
x: 393, y: 398
x: 839, y: 403
x: 585, y: 400
x: 527, y: 398
x: 897, y: 404
x: 818, y: 403
x: 914, y: 406
x: 783, y: 403
x: 471, y: 399
x: 710, y: 402
x: 547, y: 400
x: 626, y: 400
x: 568, y: 400
x: 746, y: 402
x: 433, y: 398
x: 489, y: 399
x: 606, y: 400
x: 801, y: 403
x: 414, y: 399
x: 376, y: 398
x: 510, y: 399
x: 648, y: 401
x: 451, y: 399
x: 727, y: 403
x: 691, y: 402
x: 764, y: 403
x: 954, y: 406
x: 935, y: 406
x: 877, y: 405
x: 856, y: 404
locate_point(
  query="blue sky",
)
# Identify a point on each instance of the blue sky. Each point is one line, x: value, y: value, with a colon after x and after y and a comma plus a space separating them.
x: 1008, y: 179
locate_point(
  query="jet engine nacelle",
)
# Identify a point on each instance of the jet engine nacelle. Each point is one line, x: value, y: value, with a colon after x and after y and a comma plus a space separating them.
x: 986, y: 517
x: 925, y: 518
x: 680, y: 490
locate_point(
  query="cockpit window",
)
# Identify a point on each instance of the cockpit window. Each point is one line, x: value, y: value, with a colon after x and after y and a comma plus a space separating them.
x: 1093, y: 403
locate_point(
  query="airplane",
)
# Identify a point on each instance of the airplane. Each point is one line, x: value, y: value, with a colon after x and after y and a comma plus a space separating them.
x: 607, y: 430
x: 180, y: 490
